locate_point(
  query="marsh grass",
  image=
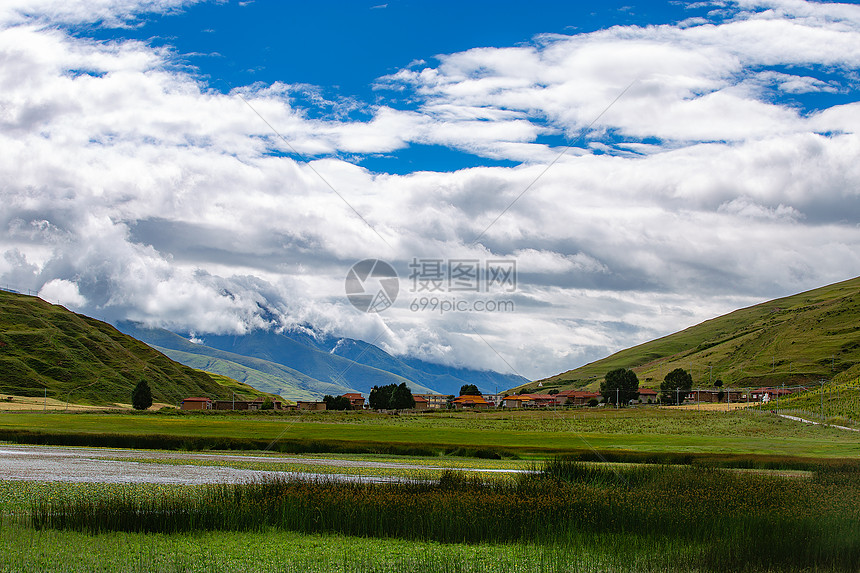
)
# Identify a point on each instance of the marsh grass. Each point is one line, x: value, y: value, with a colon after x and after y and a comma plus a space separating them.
x: 27, y: 550
x: 724, y: 520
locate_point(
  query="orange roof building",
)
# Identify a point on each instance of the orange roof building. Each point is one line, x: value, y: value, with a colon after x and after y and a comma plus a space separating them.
x: 515, y: 401
x: 467, y: 402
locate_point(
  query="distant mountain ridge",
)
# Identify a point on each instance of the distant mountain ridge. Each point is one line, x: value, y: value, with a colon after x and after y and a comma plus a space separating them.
x: 798, y: 339
x: 304, y: 365
x: 442, y: 378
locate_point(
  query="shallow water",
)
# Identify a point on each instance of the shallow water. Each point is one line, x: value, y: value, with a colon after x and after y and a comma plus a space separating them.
x: 51, y: 463
x: 46, y: 463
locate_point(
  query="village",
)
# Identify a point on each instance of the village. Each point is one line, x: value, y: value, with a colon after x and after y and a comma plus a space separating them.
x: 552, y: 399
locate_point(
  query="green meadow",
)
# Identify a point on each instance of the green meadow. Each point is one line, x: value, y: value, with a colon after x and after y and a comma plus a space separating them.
x: 720, y: 491
x: 508, y: 434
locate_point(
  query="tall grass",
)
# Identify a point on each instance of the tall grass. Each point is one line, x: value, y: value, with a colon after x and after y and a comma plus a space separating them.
x: 735, y: 520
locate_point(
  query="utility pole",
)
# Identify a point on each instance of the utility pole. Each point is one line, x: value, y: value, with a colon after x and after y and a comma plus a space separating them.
x: 677, y: 403
x: 616, y: 399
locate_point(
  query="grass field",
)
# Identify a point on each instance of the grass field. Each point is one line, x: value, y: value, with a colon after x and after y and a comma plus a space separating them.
x: 569, y: 517
x: 575, y: 517
x: 274, y: 550
x: 522, y: 434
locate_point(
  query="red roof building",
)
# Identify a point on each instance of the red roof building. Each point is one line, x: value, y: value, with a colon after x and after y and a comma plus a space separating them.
x: 196, y: 404
x: 356, y: 400
x: 576, y: 397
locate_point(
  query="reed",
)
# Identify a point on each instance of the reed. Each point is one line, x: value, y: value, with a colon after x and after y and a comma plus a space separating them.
x: 735, y: 519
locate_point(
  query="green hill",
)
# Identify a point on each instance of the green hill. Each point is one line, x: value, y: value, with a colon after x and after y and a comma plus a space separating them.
x: 795, y: 340
x: 242, y: 390
x: 262, y: 375
x: 82, y: 360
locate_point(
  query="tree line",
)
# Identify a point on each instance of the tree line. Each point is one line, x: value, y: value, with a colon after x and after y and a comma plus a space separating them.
x: 621, y: 386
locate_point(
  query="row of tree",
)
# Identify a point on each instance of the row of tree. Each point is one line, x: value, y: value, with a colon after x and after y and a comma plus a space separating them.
x: 621, y: 386
x: 391, y: 397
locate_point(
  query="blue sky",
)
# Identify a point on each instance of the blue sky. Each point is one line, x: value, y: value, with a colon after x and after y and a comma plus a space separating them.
x: 340, y: 49
x: 335, y: 52
x: 217, y: 167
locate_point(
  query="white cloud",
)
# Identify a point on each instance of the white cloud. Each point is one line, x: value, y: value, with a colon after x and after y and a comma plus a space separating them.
x: 60, y: 291
x: 130, y: 190
x: 109, y: 12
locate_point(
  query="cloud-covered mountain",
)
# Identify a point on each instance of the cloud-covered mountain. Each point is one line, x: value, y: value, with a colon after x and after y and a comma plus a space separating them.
x: 299, y: 365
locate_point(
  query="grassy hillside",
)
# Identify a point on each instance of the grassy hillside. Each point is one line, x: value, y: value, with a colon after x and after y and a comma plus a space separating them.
x: 241, y: 390
x: 265, y: 377
x: 82, y: 360
x: 798, y: 339
x: 837, y: 402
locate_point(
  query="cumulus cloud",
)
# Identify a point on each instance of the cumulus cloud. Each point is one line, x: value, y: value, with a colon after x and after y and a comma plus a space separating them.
x: 133, y: 191
x: 63, y: 292
x: 107, y: 12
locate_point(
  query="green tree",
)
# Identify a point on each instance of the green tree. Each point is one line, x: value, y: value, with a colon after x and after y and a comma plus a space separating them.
x: 469, y: 390
x: 391, y: 397
x: 401, y: 398
x: 380, y: 397
x: 620, y: 384
x: 721, y: 394
x: 675, y: 386
x: 337, y: 402
x: 141, y: 396
x: 267, y: 404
